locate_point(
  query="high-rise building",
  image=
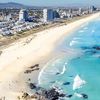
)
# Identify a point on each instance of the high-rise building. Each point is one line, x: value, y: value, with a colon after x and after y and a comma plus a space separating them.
x: 70, y: 11
x: 56, y: 14
x: 23, y: 15
x: 48, y: 15
x: 8, y: 17
x: 91, y: 9
x: 80, y: 11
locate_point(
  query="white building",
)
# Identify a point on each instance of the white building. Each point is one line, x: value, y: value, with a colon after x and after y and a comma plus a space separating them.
x: 23, y: 15
x: 70, y: 11
x: 48, y: 15
x: 91, y: 9
x: 8, y: 17
x: 80, y: 11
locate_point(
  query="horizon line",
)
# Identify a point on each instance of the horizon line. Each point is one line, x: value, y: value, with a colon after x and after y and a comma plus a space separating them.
x: 67, y: 5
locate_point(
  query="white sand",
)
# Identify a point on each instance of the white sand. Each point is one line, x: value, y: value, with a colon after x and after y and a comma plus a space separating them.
x: 20, y: 55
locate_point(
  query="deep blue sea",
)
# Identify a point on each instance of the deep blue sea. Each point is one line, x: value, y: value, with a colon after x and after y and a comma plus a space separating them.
x: 80, y: 56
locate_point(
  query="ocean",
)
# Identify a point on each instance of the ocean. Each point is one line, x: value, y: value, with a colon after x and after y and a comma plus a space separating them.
x: 80, y: 56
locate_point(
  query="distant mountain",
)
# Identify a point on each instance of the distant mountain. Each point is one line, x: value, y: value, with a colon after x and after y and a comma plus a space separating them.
x: 12, y: 5
x: 19, y: 6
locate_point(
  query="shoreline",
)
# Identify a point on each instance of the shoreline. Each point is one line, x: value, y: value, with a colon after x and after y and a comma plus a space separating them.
x: 37, y: 50
x: 6, y: 41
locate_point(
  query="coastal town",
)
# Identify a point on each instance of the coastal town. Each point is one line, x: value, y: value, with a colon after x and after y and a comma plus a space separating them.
x: 49, y: 52
x: 13, y: 21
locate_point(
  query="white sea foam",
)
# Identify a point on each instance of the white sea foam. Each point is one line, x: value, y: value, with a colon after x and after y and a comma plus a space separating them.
x: 78, y: 82
x: 78, y: 95
x: 76, y: 38
x: 57, y: 84
x: 39, y: 77
x: 81, y: 31
x: 65, y: 63
x: 73, y: 42
x: 85, y: 28
x: 64, y: 69
x: 84, y: 25
x: 49, y: 71
x: 93, y: 31
x: 96, y: 55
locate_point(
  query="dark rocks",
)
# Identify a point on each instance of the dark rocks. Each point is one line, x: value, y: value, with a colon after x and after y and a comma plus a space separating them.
x: 25, y: 95
x: 32, y: 68
x: 48, y: 94
x: 85, y: 96
x: 92, y: 49
x: 96, y: 47
x: 91, y: 52
x: 35, y: 69
x: 69, y: 96
x: 29, y: 79
x: 57, y: 73
x: 27, y: 71
x: 71, y: 76
x: 32, y: 86
x: 82, y: 95
x: 35, y: 96
x: 52, y: 82
x: 85, y: 48
x: 66, y: 83
x: 62, y: 95
x: 36, y: 65
x: 35, y: 87
x: 0, y: 52
x: 52, y: 94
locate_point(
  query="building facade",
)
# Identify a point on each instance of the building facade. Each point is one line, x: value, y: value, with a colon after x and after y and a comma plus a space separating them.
x: 91, y: 9
x: 80, y: 11
x: 23, y: 15
x: 48, y: 15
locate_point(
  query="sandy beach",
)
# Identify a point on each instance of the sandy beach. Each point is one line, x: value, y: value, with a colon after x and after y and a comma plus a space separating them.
x: 16, y: 60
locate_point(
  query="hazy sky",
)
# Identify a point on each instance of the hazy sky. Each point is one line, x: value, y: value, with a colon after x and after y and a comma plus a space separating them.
x: 54, y: 2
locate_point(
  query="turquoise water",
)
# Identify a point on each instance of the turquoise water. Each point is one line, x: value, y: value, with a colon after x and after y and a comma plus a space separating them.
x: 81, y: 56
